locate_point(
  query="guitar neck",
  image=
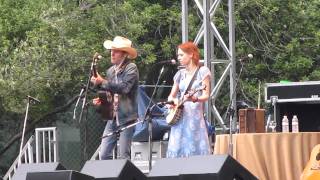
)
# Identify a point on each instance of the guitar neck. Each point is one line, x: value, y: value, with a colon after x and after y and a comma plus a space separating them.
x: 94, y: 71
x: 190, y: 94
x: 94, y: 68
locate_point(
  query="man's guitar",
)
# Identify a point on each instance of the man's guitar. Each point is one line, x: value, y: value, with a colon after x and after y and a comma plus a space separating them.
x: 312, y: 169
x: 106, y: 97
x: 106, y: 108
x: 175, y: 113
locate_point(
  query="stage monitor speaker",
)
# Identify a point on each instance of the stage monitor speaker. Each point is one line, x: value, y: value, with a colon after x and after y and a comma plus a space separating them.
x: 119, y: 169
x: 209, y: 167
x: 58, y: 175
x: 23, y: 169
x: 307, y: 112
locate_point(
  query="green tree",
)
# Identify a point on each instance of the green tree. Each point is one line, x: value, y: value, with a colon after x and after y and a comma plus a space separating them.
x: 46, y: 49
x: 284, y: 38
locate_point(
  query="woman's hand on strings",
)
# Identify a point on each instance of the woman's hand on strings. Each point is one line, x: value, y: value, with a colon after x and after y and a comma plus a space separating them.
x: 172, y: 106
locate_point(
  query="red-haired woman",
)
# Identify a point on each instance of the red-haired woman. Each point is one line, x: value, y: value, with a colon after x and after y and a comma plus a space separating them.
x: 189, y: 135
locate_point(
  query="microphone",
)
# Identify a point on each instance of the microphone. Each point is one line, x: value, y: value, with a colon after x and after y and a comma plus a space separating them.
x: 245, y: 58
x: 165, y: 102
x: 32, y: 98
x: 172, y: 61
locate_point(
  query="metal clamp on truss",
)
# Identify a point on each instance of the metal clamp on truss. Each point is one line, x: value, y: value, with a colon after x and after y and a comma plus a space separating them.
x: 274, y: 100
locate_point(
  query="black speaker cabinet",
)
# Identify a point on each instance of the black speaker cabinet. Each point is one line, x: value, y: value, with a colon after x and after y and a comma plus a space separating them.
x: 296, y: 98
x: 23, y: 169
x: 293, y: 91
x: 308, y: 114
x: 58, y: 175
x: 210, y: 167
x: 119, y: 169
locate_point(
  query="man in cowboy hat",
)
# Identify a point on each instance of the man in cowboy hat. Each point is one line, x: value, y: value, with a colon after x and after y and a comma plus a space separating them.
x: 122, y: 82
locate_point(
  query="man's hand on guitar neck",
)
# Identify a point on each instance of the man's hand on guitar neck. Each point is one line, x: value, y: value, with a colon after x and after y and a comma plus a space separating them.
x: 97, y: 80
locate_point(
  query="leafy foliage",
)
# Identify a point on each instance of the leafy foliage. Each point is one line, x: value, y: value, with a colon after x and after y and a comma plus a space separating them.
x: 284, y: 38
x: 46, y: 46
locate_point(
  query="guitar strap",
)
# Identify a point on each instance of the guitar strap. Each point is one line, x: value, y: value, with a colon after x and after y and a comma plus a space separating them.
x: 190, y: 83
x: 116, y: 96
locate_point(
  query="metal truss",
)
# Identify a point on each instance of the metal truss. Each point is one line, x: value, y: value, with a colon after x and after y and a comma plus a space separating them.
x: 209, y: 32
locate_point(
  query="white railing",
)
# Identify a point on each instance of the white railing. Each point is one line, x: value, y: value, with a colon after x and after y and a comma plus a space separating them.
x: 95, y: 155
x: 46, y: 145
x: 26, y: 157
x: 45, y: 142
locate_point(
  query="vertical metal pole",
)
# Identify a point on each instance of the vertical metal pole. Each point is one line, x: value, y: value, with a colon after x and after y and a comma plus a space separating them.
x: 207, y: 34
x: 55, y: 146
x: 207, y: 44
x: 150, y: 140
x: 233, y: 93
x: 30, y: 153
x: 44, y: 145
x: 37, y: 146
x: 212, y: 69
x: 49, y: 146
x: 232, y: 58
x: 184, y: 16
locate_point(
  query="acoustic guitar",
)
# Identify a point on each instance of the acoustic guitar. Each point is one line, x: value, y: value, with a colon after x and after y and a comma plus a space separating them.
x: 106, y: 97
x: 312, y: 169
x: 175, y: 113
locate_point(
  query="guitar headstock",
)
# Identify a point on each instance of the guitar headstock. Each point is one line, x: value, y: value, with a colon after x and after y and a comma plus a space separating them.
x: 95, y: 58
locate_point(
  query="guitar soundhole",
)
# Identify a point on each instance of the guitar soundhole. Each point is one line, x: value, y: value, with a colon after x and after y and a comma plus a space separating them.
x: 318, y: 156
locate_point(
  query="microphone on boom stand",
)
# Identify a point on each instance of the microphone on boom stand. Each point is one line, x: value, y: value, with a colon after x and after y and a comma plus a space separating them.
x: 147, y: 115
x: 29, y: 99
x: 169, y: 62
x: 230, y: 110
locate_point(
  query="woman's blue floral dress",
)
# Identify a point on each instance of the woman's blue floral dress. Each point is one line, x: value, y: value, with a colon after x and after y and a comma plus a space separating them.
x: 189, y: 135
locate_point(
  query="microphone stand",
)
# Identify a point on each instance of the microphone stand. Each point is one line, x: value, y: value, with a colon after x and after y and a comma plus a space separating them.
x: 147, y: 117
x: 77, y: 103
x: 230, y: 113
x: 85, y: 90
x: 84, y: 100
x: 29, y: 98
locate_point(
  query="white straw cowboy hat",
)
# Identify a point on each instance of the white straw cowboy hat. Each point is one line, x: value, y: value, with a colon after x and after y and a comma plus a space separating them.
x: 123, y: 44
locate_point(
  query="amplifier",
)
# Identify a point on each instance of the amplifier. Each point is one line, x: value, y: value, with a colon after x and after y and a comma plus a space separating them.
x: 140, y: 150
x: 140, y: 153
x: 293, y: 91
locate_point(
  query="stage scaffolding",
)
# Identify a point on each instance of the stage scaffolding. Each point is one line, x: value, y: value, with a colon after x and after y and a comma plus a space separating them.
x: 208, y: 32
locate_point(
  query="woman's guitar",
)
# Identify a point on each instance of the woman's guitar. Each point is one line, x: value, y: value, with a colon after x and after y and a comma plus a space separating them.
x: 312, y: 169
x: 175, y: 113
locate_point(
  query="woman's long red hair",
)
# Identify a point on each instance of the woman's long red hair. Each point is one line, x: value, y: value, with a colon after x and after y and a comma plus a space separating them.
x: 191, y: 48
